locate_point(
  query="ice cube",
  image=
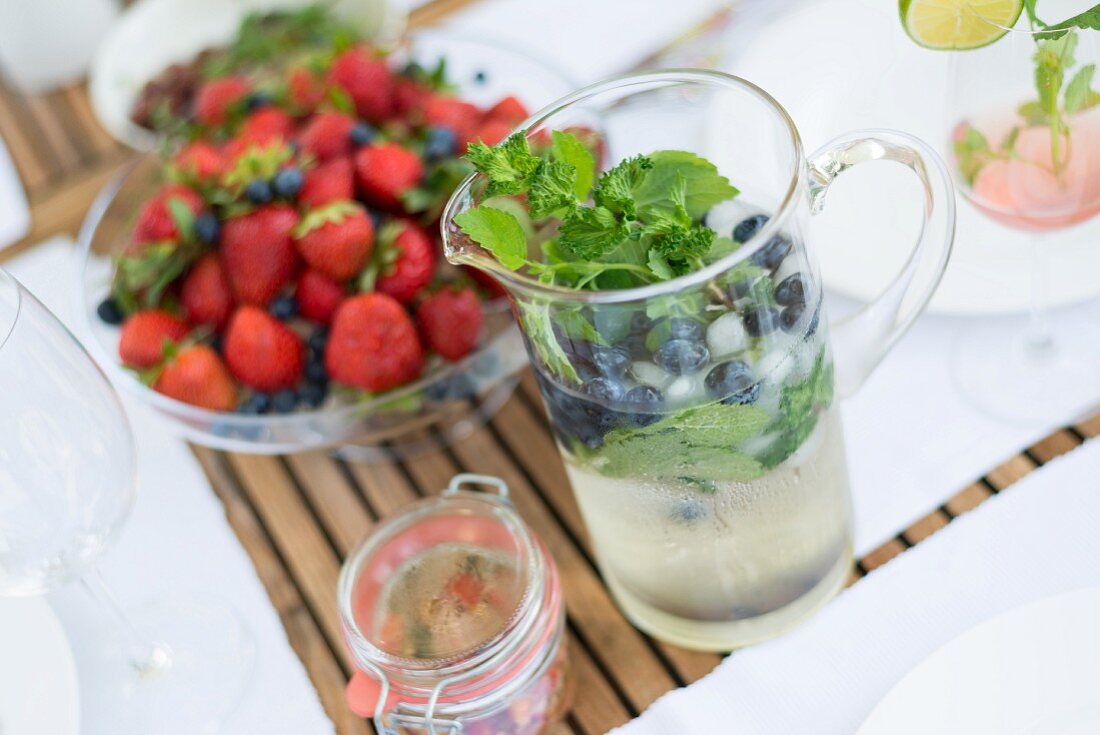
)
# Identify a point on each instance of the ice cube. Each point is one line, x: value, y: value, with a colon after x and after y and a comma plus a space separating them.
x: 647, y: 373
x: 686, y: 389
x: 757, y: 445
x: 726, y: 335
x: 775, y: 365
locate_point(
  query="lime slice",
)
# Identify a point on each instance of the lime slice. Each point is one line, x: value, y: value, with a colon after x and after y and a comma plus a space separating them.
x: 958, y: 24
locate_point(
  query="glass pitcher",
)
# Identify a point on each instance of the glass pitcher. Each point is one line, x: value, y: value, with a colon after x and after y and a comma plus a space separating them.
x: 696, y: 416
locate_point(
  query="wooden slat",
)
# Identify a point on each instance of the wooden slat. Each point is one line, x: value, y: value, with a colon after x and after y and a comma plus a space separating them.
x: 83, y: 115
x: 882, y: 554
x: 33, y: 170
x: 1054, y: 445
x: 338, y: 505
x: 1089, y: 427
x: 1010, y: 471
x: 925, y: 527
x: 968, y: 499
x: 61, y: 145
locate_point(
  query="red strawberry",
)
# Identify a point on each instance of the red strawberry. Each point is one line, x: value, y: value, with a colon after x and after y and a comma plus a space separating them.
x: 409, y: 97
x: 258, y: 252
x: 509, y: 110
x: 450, y: 321
x: 267, y: 124
x: 491, y: 132
x: 449, y: 112
x: 205, y: 293
x: 326, y: 135
x: 318, y: 296
x: 144, y: 336
x: 407, y: 263
x: 329, y: 182
x: 336, y: 239
x: 262, y: 352
x: 373, y: 344
x: 199, y: 377
x: 200, y: 160
x: 214, y: 98
x: 367, y: 81
x: 385, y: 172
x: 155, y: 221
x: 307, y: 90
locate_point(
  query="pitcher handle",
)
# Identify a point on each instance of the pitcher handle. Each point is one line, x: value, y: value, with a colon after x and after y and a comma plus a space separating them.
x: 862, y: 339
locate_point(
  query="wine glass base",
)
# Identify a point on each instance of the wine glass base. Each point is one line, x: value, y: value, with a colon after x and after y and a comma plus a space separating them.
x: 194, y: 690
x: 1013, y: 379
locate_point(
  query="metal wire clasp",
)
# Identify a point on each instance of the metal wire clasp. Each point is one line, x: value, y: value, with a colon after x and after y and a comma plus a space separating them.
x: 467, y: 478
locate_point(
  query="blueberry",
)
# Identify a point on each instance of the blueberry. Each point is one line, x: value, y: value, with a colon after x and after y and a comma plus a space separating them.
x: 256, y: 100
x: 315, y: 372
x: 749, y: 226
x: 761, y: 320
x: 790, y: 290
x: 688, y: 511
x: 680, y: 356
x: 611, y: 361
x: 604, y: 390
x: 284, y: 401
x: 207, y: 228
x: 287, y: 183
x: 313, y: 394
x: 481, y: 77
x: 375, y: 219
x: 789, y: 317
x: 413, y: 69
x: 439, y: 143
x: 284, y: 307
x: 647, y: 402
x: 461, y: 386
x: 362, y: 133
x: 679, y: 328
x: 317, y: 340
x: 733, y: 382
x: 259, y: 191
x: 109, y: 311
x: 257, y: 403
x: 772, y: 254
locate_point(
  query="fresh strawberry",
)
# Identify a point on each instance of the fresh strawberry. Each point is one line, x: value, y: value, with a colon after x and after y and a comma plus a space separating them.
x: 386, y: 171
x: 509, y: 110
x: 155, y: 221
x: 409, y: 97
x: 466, y: 588
x: 145, y: 335
x: 258, y: 253
x: 491, y: 132
x: 214, y: 98
x: 328, y: 182
x: 326, y: 135
x: 406, y: 261
x: 199, y: 377
x: 367, y: 80
x: 318, y: 296
x: 336, y: 239
x: 307, y: 90
x: 205, y: 293
x: 373, y: 344
x: 450, y: 112
x: 450, y: 321
x: 262, y: 352
x: 200, y: 161
x: 267, y: 124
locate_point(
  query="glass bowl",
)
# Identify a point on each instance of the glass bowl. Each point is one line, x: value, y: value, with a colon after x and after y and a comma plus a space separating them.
x: 446, y: 403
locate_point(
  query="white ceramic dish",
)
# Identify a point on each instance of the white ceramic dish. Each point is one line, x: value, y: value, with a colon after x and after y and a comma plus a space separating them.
x: 38, y: 686
x: 1032, y: 671
x: 153, y: 34
x: 846, y: 64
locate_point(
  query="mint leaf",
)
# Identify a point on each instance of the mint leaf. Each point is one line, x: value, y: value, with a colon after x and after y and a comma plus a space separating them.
x: 1088, y: 20
x: 1029, y: 7
x: 615, y: 189
x: 590, y: 233
x: 704, y: 186
x: 800, y: 405
x: 658, y: 263
x: 539, y: 329
x: 498, y: 232
x: 183, y: 218
x: 972, y: 153
x: 575, y: 325
x: 515, y: 208
x: 720, y: 247
x: 1052, y: 58
x: 1032, y: 113
x: 509, y: 166
x: 552, y: 188
x: 567, y: 149
x: 1079, y: 93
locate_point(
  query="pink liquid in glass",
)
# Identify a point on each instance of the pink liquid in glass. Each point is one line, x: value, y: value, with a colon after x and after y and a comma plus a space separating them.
x: 1021, y: 187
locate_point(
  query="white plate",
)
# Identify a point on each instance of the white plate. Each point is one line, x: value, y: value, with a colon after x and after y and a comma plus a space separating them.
x: 847, y: 64
x: 1031, y: 671
x: 38, y: 687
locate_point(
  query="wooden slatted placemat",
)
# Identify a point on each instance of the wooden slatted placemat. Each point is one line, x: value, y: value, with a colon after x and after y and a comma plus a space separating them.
x: 298, y: 516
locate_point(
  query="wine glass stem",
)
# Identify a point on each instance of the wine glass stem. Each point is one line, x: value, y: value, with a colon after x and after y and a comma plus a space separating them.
x: 147, y: 658
x: 1038, y: 341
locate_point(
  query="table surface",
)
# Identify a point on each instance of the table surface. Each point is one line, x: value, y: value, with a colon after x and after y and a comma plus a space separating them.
x: 298, y: 516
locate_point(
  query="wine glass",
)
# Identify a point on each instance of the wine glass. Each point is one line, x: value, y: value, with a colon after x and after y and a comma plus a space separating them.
x: 1025, y: 144
x: 66, y: 487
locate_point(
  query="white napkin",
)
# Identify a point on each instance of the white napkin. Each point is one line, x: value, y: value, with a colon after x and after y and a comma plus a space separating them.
x: 177, y: 539
x: 1037, y: 538
x: 15, y: 217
